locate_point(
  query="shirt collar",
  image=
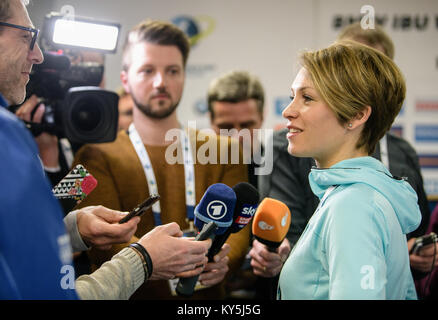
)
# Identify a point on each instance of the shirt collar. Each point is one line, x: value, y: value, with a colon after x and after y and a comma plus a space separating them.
x: 3, y: 102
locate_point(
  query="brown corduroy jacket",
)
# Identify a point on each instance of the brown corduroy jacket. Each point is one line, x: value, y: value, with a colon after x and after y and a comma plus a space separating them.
x: 122, y: 185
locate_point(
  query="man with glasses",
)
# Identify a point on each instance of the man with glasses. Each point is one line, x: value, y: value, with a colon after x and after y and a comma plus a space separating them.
x: 31, y: 38
x: 19, y: 52
x: 35, y: 250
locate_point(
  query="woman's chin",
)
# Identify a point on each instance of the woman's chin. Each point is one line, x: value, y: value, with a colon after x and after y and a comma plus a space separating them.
x: 294, y: 151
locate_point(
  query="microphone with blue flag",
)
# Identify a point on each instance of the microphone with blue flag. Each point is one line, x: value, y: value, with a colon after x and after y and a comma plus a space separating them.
x: 247, y: 201
x: 215, y: 214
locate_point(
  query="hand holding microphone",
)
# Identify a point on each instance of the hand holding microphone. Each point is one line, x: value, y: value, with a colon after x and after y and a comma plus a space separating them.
x: 171, y: 254
x: 265, y: 263
x: 215, y: 271
x: 271, y: 248
x: 213, y: 216
x: 247, y: 199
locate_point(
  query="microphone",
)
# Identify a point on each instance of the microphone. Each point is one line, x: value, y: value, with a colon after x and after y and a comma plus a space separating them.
x: 271, y: 223
x: 217, y: 205
x: 215, y: 212
x: 246, y: 205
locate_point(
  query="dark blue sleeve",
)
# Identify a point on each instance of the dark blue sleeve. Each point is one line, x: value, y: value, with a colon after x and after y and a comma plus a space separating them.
x: 35, y: 250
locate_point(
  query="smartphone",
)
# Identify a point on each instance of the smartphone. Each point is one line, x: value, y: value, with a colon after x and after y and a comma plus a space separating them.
x: 141, y: 208
x: 423, y: 241
x: 74, y: 187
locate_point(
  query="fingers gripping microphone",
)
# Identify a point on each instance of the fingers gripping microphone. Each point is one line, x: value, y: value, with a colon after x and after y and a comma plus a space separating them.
x: 246, y: 205
x: 271, y: 223
x: 213, y: 216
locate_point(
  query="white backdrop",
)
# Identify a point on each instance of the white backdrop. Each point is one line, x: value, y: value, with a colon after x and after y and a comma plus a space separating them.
x: 265, y: 37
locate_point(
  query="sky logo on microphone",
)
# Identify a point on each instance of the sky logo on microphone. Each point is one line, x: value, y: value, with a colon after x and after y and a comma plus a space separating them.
x: 216, y: 209
x: 246, y: 215
x: 249, y: 210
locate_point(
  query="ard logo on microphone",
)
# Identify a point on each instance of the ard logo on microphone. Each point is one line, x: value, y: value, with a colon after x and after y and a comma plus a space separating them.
x: 216, y: 209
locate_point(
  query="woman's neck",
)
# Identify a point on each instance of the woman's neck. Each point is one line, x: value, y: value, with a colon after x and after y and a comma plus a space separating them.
x: 327, y: 162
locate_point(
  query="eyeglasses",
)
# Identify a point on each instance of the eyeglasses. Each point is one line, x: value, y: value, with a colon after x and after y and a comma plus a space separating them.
x: 34, y: 31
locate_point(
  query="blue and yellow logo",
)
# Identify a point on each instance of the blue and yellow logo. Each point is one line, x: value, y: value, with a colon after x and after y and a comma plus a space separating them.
x: 196, y: 28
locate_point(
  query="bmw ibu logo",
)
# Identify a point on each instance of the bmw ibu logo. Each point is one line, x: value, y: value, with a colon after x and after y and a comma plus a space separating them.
x: 216, y: 209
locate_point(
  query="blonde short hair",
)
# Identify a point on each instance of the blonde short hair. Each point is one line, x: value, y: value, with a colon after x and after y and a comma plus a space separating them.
x: 350, y: 76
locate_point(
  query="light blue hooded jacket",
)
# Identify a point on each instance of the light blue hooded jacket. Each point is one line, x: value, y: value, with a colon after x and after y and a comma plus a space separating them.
x: 354, y: 246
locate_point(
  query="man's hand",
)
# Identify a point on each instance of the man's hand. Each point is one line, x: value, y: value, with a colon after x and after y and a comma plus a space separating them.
x: 47, y: 143
x: 265, y: 263
x: 172, y: 255
x: 214, y: 272
x: 422, y: 261
x: 99, y: 227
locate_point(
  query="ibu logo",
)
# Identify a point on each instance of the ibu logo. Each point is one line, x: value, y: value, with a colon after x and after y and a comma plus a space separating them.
x: 216, y: 209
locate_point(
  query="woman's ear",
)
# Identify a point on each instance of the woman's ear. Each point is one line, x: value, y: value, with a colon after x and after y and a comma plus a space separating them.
x: 360, y: 119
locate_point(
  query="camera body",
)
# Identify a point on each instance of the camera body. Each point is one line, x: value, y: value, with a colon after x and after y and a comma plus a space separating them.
x: 75, y: 107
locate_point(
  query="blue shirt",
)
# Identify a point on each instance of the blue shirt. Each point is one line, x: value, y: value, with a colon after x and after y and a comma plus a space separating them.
x: 35, y: 251
x: 3, y: 102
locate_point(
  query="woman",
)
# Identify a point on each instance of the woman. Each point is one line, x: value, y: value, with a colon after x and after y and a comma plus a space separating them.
x: 344, y: 99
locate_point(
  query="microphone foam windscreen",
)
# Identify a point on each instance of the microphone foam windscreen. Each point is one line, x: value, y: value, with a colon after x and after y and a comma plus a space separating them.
x: 246, y: 205
x: 217, y: 205
x: 271, y: 220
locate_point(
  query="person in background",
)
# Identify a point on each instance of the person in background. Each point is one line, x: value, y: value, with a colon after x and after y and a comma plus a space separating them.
x: 236, y: 101
x: 137, y: 164
x: 125, y: 109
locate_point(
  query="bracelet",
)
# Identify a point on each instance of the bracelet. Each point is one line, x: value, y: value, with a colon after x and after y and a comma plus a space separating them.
x: 145, y: 255
x: 143, y: 262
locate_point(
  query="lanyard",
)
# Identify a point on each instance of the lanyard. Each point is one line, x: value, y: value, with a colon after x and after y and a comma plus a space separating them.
x: 189, y: 173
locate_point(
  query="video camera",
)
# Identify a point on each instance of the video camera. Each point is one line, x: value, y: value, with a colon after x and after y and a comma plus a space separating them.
x: 75, y: 107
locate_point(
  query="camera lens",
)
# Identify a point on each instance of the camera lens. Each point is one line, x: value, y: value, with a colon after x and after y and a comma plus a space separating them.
x: 90, y: 114
x: 87, y: 114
